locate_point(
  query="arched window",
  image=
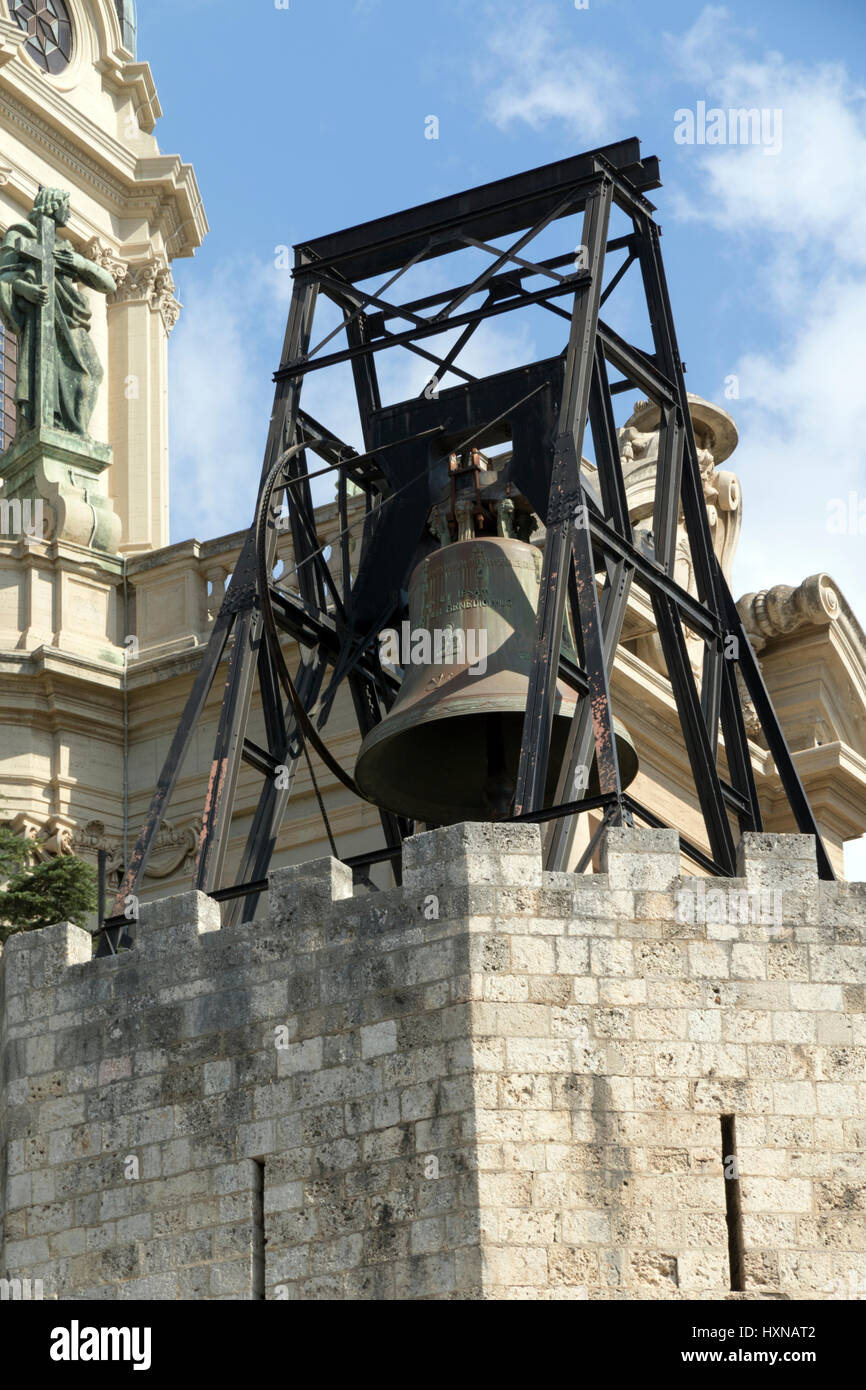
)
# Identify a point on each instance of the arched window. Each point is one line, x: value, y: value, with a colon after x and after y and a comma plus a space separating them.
x: 128, y: 23
x: 8, y: 378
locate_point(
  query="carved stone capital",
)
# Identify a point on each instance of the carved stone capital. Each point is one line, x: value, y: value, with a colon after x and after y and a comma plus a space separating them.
x: 149, y: 282
x: 30, y: 829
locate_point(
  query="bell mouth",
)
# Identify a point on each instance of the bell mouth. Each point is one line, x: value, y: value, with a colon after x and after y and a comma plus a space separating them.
x: 458, y: 766
x: 449, y: 748
x: 439, y: 769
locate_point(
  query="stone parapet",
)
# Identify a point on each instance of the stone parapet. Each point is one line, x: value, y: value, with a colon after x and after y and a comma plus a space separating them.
x: 490, y: 1083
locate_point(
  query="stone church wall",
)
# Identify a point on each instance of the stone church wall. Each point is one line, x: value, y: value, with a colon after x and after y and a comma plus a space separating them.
x: 492, y: 1082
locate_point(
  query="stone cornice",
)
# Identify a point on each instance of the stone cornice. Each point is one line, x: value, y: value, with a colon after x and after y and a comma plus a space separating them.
x: 46, y: 116
x: 73, y: 666
x: 162, y: 187
x: 135, y: 80
x: 183, y: 552
x: 165, y: 665
x: 74, y: 559
x: 176, y: 186
x: 834, y: 777
x: 150, y: 203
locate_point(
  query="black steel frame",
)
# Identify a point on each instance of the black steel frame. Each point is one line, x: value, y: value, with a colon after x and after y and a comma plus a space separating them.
x: 543, y: 408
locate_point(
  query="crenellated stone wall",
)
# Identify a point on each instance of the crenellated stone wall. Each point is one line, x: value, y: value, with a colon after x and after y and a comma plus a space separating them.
x: 492, y: 1082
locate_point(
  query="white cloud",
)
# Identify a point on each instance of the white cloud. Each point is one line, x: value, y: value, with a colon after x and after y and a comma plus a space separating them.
x: 541, y: 77
x: 712, y: 43
x: 809, y: 195
x: 800, y: 419
x: 804, y: 205
x: 797, y: 223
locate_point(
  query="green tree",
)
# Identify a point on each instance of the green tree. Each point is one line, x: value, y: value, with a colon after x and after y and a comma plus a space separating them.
x: 14, y: 853
x: 59, y: 890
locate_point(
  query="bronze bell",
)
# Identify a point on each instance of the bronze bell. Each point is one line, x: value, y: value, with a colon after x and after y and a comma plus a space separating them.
x: 448, y: 749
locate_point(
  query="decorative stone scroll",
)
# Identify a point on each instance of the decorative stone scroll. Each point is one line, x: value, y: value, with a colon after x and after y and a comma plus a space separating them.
x: 783, y: 609
x: 175, y: 848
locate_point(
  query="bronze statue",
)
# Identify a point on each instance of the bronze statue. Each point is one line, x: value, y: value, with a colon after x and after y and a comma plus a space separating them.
x: 59, y: 371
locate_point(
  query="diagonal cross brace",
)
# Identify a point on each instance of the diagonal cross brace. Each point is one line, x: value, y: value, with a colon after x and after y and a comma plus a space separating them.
x: 567, y: 545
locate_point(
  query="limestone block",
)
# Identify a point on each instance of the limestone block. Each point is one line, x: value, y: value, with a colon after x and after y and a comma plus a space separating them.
x: 34, y: 960
x: 297, y: 892
x: 509, y: 855
x: 170, y: 924
x: 644, y: 859
x: 782, y: 861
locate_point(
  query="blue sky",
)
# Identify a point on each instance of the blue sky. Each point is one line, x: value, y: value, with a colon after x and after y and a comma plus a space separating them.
x: 306, y: 119
x: 300, y: 121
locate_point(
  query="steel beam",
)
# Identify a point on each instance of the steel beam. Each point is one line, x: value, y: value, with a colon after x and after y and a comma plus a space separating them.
x: 302, y: 366
x: 558, y: 842
x: 567, y: 544
x: 490, y: 211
